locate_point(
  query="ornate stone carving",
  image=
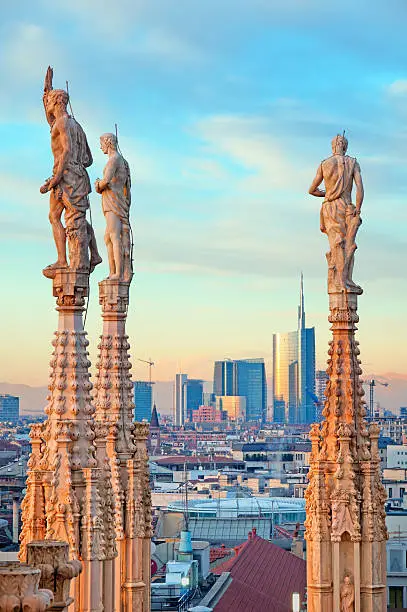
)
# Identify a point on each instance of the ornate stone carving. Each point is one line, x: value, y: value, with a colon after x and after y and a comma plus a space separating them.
x: 345, y: 523
x: 52, y: 559
x: 123, y: 449
x: 69, y: 495
x: 19, y: 589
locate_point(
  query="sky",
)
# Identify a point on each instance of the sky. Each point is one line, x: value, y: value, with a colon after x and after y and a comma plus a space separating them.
x: 224, y: 109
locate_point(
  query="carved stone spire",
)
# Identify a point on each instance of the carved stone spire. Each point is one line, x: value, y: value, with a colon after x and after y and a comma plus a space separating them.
x: 121, y: 447
x: 63, y: 500
x: 345, y: 525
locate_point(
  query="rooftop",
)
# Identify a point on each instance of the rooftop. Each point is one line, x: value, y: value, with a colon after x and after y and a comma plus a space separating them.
x: 245, y: 506
x: 198, y: 460
x: 261, y: 577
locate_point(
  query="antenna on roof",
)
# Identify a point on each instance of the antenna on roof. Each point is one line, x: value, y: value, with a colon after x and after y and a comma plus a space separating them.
x: 117, y: 139
x: 69, y: 99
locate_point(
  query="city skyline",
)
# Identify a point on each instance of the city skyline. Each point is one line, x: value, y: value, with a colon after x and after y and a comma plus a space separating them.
x: 293, y: 371
x: 223, y: 152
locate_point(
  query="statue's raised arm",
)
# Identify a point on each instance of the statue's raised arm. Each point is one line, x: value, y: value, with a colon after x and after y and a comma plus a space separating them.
x: 69, y: 185
x: 47, y: 88
x: 339, y: 217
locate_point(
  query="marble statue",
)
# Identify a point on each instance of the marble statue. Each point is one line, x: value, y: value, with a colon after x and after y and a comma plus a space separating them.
x: 347, y: 595
x: 69, y: 185
x: 339, y: 217
x: 115, y: 189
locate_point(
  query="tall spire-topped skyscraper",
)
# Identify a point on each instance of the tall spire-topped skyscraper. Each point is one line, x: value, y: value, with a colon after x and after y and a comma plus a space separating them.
x: 306, y: 363
x: 301, y: 307
x: 294, y: 371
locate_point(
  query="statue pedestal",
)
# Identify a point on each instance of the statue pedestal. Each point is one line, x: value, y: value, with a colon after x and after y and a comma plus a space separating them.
x: 52, y: 558
x: 121, y: 444
x: 19, y: 588
x: 70, y: 288
x: 345, y: 525
x: 64, y: 485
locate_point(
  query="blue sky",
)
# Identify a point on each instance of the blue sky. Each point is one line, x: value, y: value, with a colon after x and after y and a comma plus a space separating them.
x: 224, y: 110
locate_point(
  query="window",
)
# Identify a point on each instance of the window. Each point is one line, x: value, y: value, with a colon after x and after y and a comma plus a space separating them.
x: 396, y: 597
x: 390, y: 491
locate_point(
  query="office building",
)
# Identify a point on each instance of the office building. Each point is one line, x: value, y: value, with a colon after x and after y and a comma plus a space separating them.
x: 278, y: 415
x: 252, y: 384
x: 9, y: 409
x: 209, y: 399
x: 294, y: 372
x: 285, y: 375
x: 207, y: 414
x: 193, y: 396
x: 243, y: 378
x: 179, y: 414
x: 234, y: 406
x: 188, y: 396
x: 143, y: 400
x: 224, y: 377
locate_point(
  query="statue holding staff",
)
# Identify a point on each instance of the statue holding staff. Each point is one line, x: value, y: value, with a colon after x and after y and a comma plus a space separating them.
x: 115, y: 189
x: 339, y: 217
x: 347, y: 595
x: 69, y: 185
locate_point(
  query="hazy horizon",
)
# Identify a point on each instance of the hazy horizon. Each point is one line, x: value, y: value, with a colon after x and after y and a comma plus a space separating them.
x: 225, y: 111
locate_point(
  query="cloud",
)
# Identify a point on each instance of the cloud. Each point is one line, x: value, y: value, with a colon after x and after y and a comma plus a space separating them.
x: 398, y: 87
x: 27, y: 50
x: 169, y: 46
x: 248, y: 143
x: 113, y: 21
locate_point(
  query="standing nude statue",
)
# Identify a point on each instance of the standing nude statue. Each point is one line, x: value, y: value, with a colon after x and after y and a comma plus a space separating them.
x: 116, y: 198
x: 339, y: 218
x: 69, y: 185
x: 347, y: 595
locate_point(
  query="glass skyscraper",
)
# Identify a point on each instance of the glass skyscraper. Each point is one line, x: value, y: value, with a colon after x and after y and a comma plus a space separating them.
x: 243, y: 377
x: 179, y: 414
x: 9, y: 409
x: 193, y: 396
x: 285, y: 377
x: 188, y: 396
x: 294, y: 372
x: 224, y: 378
x: 143, y: 400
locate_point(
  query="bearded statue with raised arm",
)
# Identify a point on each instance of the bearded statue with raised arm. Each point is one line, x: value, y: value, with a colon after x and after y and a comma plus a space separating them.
x: 69, y: 185
x: 339, y: 217
x: 115, y: 189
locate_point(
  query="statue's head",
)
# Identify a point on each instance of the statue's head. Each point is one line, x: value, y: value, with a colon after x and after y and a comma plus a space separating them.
x: 57, y: 98
x: 108, y: 142
x: 339, y: 144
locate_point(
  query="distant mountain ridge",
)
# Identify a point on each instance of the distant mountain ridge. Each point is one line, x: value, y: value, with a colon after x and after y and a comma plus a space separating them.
x: 33, y: 399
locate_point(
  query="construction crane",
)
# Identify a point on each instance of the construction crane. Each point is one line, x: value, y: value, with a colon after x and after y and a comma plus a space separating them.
x: 150, y: 364
x: 372, y: 384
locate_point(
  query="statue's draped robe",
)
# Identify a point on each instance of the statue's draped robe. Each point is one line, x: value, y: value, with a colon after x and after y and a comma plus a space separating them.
x: 116, y: 197
x: 74, y: 187
x: 335, y: 208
